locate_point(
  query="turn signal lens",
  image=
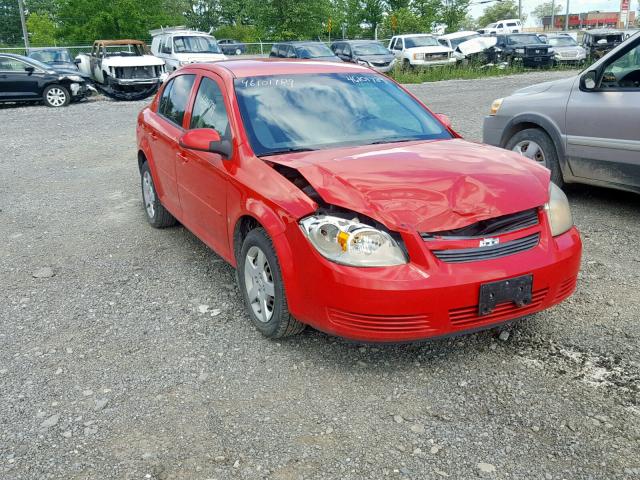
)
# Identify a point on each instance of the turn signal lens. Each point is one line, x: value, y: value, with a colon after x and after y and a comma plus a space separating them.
x: 495, y: 106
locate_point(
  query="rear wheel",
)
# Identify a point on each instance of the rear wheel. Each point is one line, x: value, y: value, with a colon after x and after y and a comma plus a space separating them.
x: 238, y: 51
x: 260, y: 281
x: 157, y: 215
x: 536, y: 145
x: 56, y: 96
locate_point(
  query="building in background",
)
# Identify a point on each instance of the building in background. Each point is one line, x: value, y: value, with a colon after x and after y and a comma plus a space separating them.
x: 592, y: 20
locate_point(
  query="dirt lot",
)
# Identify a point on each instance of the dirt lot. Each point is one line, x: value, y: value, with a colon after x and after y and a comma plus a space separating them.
x: 135, y: 359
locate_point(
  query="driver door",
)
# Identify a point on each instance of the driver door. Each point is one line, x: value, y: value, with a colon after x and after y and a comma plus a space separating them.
x: 202, y: 176
x: 603, y: 125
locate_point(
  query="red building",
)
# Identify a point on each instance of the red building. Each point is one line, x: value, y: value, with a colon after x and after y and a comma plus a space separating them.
x: 590, y: 20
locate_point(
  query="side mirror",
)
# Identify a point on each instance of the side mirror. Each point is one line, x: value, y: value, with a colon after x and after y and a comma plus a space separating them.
x: 589, y: 81
x: 206, y: 140
x: 77, y: 61
x: 444, y: 119
x: 29, y: 69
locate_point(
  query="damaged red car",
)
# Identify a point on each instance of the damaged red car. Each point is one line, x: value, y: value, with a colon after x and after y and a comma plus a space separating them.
x: 345, y: 204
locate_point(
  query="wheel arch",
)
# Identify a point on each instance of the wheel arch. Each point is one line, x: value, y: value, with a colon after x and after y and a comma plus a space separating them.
x: 528, y: 120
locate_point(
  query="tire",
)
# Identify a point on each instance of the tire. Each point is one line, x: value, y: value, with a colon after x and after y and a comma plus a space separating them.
x: 157, y: 215
x: 526, y: 142
x: 56, y: 96
x: 259, y: 272
x: 238, y: 51
x: 406, y: 65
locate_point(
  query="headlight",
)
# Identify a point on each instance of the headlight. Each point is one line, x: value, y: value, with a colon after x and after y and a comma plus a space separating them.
x: 72, y: 78
x: 519, y: 50
x: 558, y: 211
x: 418, y: 56
x: 349, y: 242
x: 362, y: 62
x: 495, y: 106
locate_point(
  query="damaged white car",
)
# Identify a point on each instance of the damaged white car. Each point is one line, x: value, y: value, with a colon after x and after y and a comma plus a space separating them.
x: 123, y: 69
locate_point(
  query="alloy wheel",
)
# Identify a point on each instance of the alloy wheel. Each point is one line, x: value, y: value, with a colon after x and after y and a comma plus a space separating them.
x: 258, y: 281
x: 56, y: 97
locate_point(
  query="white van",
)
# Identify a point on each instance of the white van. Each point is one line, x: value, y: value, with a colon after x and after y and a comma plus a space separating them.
x: 179, y: 46
x: 512, y: 25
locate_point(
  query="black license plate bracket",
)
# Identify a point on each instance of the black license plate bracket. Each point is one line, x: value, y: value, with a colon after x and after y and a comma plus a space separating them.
x: 516, y: 290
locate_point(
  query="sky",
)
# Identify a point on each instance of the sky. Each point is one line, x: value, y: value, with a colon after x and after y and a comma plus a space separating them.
x: 576, y: 6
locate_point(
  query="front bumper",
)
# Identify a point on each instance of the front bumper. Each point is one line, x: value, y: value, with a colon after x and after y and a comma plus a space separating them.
x: 426, y: 298
x: 540, y: 61
x: 136, y: 81
x: 432, y: 63
x: 493, y: 129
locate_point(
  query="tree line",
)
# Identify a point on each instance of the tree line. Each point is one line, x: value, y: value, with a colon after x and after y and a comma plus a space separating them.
x: 66, y: 22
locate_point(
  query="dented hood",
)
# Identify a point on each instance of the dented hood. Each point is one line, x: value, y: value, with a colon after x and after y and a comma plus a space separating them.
x: 424, y: 186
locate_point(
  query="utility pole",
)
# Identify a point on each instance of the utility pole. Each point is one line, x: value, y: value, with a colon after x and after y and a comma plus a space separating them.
x: 566, y: 19
x: 553, y: 15
x: 25, y: 34
x: 520, y: 9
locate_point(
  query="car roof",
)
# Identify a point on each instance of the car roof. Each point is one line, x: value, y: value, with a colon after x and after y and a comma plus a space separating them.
x: 465, y: 33
x: 604, y: 31
x: 119, y: 42
x: 416, y: 35
x: 14, y: 55
x: 272, y: 66
x: 299, y: 42
x: 355, y: 42
x: 39, y: 49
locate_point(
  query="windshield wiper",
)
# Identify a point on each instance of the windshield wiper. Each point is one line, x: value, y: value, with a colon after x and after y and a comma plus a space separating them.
x: 287, y: 150
x: 392, y: 140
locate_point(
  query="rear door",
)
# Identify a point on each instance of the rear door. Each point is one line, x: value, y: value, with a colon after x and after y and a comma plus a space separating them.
x: 165, y: 128
x: 603, y: 125
x: 202, y: 176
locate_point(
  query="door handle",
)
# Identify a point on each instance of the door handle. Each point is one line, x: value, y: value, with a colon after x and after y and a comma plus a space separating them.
x: 183, y: 157
x: 3, y: 76
x: 153, y: 135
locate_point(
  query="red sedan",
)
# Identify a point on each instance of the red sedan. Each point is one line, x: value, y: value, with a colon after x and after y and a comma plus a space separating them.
x: 345, y: 204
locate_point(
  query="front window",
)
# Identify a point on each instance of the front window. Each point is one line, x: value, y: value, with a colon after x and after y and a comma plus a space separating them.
x: 524, y: 39
x: 426, y: 41
x: 195, y: 44
x: 457, y: 41
x: 370, y: 49
x: 284, y: 113
x: 562, y: 42
x: 8, y: 64
x: 313, y: 51
x: 52, y: 56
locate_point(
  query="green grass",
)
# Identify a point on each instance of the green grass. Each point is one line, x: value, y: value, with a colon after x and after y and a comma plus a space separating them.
x: 463, y: 72
x: 452, y: 72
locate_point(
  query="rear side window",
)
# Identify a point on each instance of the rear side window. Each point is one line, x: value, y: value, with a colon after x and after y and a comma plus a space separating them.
x: 175, y: 96
x: 209, y: 110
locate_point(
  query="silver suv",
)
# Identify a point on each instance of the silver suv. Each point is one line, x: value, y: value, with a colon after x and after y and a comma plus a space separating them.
x: 585, y: 129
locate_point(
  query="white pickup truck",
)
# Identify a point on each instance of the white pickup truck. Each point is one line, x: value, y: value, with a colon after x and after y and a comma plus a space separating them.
x: 122, y: 69
x: 179, y: 46
x: 420, y: 50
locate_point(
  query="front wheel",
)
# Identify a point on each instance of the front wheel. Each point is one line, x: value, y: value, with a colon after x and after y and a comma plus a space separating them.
x: 536, y: 145
x: 238, y: 51
x: 260, y: 281
x: 56, y: 96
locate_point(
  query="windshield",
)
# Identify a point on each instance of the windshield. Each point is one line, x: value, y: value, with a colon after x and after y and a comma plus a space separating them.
x: 51, y: 56
x: 562, y: 42
x: 370, y: 49
x: 524, y: 39
x: 195, y: 44
x: 426, y: 41
x: 491, y: 25
x: 457, y: 41
x: 308, y: 112
x: 314, y: 51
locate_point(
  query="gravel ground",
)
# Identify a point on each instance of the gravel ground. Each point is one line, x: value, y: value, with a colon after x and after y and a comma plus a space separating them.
x: 130, y: 356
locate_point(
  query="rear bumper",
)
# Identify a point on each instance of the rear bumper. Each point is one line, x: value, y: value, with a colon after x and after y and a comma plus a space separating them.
x: 411, y: 302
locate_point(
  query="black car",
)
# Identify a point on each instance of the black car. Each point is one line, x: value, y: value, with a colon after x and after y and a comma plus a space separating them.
x: 599, y: 42
x: 526, y: 49
x: 305, y: 50
x: 231, y: 47
x: 364, y: 52
x: 23, y: 79
x: 59, y: 58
